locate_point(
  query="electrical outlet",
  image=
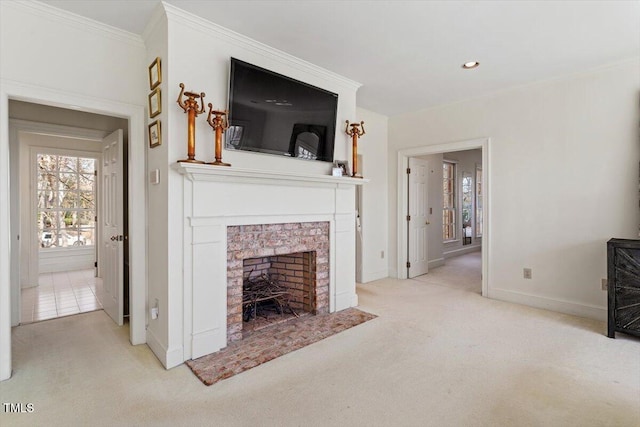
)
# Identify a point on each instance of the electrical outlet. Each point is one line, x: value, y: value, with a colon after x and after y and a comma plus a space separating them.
x: 526, y: 273
x: 155, y: 310
x: 605, y: 284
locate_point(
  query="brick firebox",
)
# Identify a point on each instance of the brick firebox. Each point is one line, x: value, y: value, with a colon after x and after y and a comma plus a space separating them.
x: 270, y: 240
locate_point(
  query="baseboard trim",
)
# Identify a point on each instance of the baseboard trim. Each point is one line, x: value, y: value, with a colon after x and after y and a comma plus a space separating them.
x: 560, y: 306
x: 158, y: 349
x: 436, y: 263
x: 461, y: 251
x: 169, y: 358
x: 376, y: 275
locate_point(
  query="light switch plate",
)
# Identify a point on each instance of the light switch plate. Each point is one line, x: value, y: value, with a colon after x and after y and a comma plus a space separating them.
x: 154, y: 176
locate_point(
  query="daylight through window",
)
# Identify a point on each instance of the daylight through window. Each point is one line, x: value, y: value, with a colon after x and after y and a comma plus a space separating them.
x: 66, y: 201
x: 449, y: 199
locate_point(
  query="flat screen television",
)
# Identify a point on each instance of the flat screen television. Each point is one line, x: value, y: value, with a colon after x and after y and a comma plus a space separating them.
x: 275, y: 114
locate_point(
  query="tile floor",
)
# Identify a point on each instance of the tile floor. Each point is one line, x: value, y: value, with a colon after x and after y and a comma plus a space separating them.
x: 61, y: 294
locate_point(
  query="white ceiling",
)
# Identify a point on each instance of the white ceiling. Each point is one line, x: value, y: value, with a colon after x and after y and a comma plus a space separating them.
x: 408, y: 54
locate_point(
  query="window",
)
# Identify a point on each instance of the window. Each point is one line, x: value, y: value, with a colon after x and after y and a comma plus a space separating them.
x: 449, y: 201
x: 66, y: 206
x: 478, y: 201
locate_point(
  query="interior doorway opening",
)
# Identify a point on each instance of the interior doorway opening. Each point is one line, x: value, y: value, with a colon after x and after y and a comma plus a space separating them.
x: 443, y: 207
x: 56, y: 195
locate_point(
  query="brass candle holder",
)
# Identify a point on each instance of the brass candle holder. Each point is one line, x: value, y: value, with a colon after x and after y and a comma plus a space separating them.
x: 191, y: 107
x: 356, y: 131
x: 218, y: 121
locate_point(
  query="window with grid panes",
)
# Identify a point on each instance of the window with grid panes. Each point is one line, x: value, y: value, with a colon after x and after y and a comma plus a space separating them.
x: 449, y: 201
x: 65, y: 200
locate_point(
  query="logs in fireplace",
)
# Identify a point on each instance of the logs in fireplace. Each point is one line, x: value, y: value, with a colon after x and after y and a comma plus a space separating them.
x: 262, y: 295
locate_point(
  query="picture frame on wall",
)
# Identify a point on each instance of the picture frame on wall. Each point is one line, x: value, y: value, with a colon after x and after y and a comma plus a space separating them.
x: 155, y: 134
x: 155, y: 103
x: 155, y: 74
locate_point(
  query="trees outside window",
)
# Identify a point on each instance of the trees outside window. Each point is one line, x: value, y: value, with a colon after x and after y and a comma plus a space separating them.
x: 66, y: 207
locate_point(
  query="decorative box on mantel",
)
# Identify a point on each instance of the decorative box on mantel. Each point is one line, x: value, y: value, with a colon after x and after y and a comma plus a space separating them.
x: 217, y: 198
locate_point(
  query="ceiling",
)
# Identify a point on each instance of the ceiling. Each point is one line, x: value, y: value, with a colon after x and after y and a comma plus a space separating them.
x: 408, y: 54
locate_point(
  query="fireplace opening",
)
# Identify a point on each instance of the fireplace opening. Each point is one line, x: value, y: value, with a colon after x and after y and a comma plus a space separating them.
x: 277, y: 288
x: 295, y: 254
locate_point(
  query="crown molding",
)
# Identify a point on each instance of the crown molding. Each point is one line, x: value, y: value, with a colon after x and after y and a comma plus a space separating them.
x: 155, y: 20
x: 72, y: 19
x: 207, y: 27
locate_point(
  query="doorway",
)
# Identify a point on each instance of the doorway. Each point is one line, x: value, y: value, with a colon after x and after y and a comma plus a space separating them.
x: 59, y: 191
x: 136, y: 257
x: 406, y: 248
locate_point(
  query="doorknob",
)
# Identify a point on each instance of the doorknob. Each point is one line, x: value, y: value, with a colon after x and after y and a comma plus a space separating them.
x: 117, y: 238
x: 428, y: 223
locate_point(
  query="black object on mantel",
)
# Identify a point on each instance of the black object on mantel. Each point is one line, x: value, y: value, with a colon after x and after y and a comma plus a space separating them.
x: 623, y: 275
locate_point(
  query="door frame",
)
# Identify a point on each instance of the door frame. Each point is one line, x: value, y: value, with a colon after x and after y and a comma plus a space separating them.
x: 403, y: 162
x: 137, y: 201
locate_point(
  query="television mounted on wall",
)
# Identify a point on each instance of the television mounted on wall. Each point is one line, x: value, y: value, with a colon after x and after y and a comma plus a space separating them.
x: 274, y: 114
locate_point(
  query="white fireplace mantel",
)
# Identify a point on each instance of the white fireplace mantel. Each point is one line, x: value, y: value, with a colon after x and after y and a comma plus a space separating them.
x: 204, y: 172
x: 217, y: 197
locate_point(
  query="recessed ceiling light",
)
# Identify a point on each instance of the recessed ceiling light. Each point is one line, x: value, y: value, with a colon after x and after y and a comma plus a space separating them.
x: 470, y: 65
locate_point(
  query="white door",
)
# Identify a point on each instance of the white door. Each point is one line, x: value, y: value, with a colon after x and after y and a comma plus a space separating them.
x: 418, y: 220
x: 111, y: 221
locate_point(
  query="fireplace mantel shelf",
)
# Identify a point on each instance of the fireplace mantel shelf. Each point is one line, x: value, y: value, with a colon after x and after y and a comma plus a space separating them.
x: 200, y: 172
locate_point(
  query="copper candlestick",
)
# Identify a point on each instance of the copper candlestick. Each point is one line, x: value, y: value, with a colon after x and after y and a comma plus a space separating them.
x: 190, y: 106
x: 219, y: 123
x: 356, y: 131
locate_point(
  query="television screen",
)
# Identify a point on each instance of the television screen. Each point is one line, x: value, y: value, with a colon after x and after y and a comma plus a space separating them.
x: 275, y: 114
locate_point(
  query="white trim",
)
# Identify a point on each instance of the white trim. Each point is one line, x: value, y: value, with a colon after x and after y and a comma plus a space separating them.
x: 461, y: 251
x: 436, y: 263
x: 244, y: 42
x: 199, y: 172
x: 403, y: 163
x: 561, y: 306
x: 370, y: 276
x: 137, y: 200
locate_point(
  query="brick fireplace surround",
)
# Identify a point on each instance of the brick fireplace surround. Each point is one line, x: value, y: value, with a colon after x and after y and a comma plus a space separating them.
x: 225, y: 210
x: 267, y: 245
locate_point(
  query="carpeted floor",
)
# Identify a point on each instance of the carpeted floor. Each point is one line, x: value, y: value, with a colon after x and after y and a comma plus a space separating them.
x: 436, y: 356
x: 267, y: 344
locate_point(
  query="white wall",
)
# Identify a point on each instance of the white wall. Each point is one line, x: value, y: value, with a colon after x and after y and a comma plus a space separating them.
x: 563, y: 180
x: 466, y: 162
x: 156, y: 41
x: 372, y: 147
x: 171, y: 35
x: 56, y: 58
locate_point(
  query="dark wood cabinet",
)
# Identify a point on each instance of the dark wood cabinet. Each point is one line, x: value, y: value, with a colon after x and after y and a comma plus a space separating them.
x: 623, y: 271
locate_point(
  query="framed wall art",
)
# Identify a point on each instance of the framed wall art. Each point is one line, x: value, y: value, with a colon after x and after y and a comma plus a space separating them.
x: 155, y: 134
x: 155, y: 103
x: 155, y: 74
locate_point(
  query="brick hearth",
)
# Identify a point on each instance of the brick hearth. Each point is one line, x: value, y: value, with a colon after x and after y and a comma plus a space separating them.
x: 272, y: 244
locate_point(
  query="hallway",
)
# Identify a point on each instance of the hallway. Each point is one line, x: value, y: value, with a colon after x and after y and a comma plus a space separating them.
x: 61, y: 294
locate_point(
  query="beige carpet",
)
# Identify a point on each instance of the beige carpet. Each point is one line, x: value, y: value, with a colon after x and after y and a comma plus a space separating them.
x: 435, y: 356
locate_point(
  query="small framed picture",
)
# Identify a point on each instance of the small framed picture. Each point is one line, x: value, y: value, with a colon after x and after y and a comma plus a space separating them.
x: 155, y: 74
x: 155, y: 103
x: 155, y: 134
x: 344, y: 167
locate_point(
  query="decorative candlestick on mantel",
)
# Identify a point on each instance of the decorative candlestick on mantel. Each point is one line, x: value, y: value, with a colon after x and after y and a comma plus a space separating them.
x: 356, y: 131
x: 190, y: 106
x: 219, y: 123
